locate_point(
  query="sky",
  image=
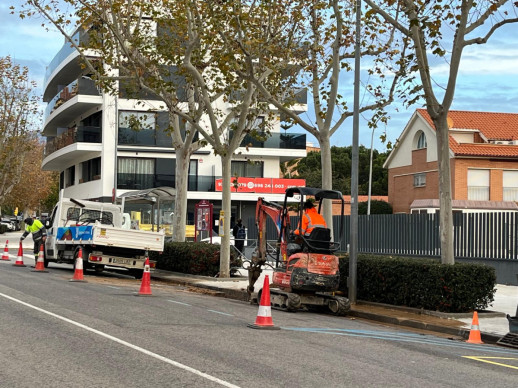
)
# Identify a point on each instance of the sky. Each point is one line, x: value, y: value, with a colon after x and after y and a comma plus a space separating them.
x: 487, y: 81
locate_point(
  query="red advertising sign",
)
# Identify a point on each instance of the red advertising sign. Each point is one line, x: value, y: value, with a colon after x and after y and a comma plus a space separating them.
x: 261, y: 185
x: 279, y: 186
x: 244, y: 185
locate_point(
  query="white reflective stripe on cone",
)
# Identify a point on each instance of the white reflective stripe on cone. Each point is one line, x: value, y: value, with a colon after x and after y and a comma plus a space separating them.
x: 265, y: 311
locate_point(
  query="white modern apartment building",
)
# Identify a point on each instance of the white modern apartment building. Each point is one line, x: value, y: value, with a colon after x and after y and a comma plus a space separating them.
x: 99, y: 158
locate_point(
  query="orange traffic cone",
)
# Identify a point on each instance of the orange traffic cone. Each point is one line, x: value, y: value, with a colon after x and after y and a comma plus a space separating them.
x: 145, y: 287
x: 5, y: 256
x: 78, y: 272
x: 19, y: 259
x: 474, y: 333
x: 40, y: 262
x: 264, y: 315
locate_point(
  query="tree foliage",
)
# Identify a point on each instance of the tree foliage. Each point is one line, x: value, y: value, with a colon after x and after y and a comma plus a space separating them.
x: 324, y: 66
x: 438, y: 32
x: 175, y: 49
x: 377, y: 207
x: 37, y: 190
x: 310, y: 168
x: 18, y: 110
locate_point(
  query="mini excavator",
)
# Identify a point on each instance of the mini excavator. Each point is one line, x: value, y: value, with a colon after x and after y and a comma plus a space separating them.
x: 306, y: 273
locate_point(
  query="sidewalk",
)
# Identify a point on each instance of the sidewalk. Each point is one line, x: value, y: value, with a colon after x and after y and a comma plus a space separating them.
x: 493, y: 322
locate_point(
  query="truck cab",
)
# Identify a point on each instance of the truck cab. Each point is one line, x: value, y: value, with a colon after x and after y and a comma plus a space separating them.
x: 101, y: 232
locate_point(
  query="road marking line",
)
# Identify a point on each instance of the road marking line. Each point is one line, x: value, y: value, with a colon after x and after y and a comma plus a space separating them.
x: 175, y: 301
x: 219, y: 312
x: 117, y: 288
x: 127, y: 344
x: 486, y: 360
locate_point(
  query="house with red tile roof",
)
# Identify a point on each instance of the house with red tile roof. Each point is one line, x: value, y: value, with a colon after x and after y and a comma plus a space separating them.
x: 483, y: 159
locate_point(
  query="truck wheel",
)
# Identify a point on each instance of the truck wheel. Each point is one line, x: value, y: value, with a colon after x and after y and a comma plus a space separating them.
x: 137, y: 273
x: 45, y: 262
x: 99, y: 268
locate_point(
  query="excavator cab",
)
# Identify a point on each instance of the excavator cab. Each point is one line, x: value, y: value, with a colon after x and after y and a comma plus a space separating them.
x: 319, y: 240
x: 306, y: 271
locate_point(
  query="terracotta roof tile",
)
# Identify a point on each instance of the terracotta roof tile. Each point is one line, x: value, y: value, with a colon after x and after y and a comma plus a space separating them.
x: 494, y: 126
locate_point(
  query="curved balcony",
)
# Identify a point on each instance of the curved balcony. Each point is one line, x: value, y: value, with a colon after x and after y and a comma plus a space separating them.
x: 285, y: 141
x: 64, y: 67
x: 61, y: 110
x: 72, y: 145
x: 292, y: 144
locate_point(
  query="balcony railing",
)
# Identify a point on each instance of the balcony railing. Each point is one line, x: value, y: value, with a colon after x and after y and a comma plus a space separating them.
x: 83, y: 86
x: 288, y: 141
x: 80, y: 37
x: 478, y: 193
x: 74, y: 135
x: 144, y: 137
x: 131, y: 181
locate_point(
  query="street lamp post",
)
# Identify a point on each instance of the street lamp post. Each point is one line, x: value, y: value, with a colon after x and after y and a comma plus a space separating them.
x: 353, y: 243
x: 370, y: 174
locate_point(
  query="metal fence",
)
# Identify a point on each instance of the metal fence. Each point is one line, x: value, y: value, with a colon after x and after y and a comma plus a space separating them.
x: 489, y: 238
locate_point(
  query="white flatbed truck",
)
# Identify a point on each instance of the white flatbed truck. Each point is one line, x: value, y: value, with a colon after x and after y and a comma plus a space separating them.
x: 103, y: 233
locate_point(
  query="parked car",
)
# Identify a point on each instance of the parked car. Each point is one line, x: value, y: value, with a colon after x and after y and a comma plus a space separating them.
x: 7, y: 222
x: 17, y: 222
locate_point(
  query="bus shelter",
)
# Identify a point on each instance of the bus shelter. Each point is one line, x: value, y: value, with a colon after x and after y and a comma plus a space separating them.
x: 150, y: 209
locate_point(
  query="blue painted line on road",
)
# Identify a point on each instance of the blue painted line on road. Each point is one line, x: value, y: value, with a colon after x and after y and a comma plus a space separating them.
x: 219, y: 312
x: 404, y: 337
x: 175, y: 301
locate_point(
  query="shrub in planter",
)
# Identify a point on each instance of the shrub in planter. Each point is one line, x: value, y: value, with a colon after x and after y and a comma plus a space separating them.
x: 192, y: 258
x: 422, y: 283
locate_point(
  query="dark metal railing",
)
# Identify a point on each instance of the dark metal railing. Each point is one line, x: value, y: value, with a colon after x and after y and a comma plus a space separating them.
x: 84, y: 134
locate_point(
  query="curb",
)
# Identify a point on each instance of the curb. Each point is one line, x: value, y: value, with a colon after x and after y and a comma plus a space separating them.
x: 463, y: 333
x: 489, y: 338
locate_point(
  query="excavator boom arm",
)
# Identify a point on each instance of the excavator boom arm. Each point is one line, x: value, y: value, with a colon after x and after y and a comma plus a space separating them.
x: 263, y: 210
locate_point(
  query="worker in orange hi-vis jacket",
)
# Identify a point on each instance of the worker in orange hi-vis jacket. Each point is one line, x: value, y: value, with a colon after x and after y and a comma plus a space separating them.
x: 311, y: 219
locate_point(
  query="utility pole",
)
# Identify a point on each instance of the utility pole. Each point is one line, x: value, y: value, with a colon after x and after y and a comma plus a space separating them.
x: 353, y: 244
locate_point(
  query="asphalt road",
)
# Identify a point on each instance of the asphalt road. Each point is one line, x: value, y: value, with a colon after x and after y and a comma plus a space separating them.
x: 56, y: 333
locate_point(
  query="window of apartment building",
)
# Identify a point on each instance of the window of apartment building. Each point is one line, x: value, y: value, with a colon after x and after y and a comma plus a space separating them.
x: 510, y: 185
x: 193, y: 175
x: 91, y: 170
x: 140, y: 173
x: 135, y: 173
x: 247, y: 169
x: 478, y: 185
x: 144, y: 128
x: 421, y: 141
x: 70, y: 176
x: 420, y: 180
x: 165, y: 172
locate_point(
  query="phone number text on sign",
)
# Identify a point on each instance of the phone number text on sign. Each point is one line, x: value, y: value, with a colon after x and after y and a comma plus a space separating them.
x: 261, y: 185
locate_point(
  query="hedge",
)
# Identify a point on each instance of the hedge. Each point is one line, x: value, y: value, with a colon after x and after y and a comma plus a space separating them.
x: 422, y: 283
x: 192, y: 258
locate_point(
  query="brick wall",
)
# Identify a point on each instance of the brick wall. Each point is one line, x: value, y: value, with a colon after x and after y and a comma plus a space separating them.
x: 401, y: 180
x: 495, y: 176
